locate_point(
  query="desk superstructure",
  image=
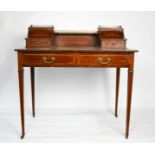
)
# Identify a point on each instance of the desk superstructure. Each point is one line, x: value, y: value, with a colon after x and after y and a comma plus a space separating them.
x: 104, y: 48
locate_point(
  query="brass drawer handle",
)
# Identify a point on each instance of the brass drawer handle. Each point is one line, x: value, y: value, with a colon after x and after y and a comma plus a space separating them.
x: 103, y: 61
x: 48, y: 60
x: 113, y: 43
x: 38, y: 43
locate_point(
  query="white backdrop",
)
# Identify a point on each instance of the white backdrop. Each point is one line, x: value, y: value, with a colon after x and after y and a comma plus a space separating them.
x: 78, y: 88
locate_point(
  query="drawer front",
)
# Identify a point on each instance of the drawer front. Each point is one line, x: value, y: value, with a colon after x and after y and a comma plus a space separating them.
x: 113, y: 43
x: 38, y: 42
x: 48, y: 60
x: 103, y: 60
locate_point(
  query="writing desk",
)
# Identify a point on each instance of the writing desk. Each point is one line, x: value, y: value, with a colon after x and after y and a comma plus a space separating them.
x: 74, y: 49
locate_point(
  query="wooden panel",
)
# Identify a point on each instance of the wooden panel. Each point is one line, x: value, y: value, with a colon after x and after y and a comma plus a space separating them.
x: 48, y: 60
x: 103, y: 60
x: 40, y: 31
x: 115, y: 32
x: 82, y: 40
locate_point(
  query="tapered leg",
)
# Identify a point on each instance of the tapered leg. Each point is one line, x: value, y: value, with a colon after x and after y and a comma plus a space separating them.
x: 33, y: 90
x: 129, y: 97
x: 21, y: 92
x: 117, y: 90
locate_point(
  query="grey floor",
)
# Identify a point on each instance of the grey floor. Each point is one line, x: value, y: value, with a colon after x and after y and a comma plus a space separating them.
x: 77, y: 125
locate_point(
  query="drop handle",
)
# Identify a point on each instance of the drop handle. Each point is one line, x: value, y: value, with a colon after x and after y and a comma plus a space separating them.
x: 49, y: 60
x: 103, y: 61
x: 38, y: 43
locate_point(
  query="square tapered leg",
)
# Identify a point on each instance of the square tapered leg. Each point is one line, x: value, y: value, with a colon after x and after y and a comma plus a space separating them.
x: 32, y: 72
x: 129, y: 97
x: 117, y: 90
x: 21, y: 93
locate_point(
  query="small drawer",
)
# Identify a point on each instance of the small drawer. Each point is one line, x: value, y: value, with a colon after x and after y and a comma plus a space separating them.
x: 113, y: 43
x: 103, y: 60
x: 38, y: 42
x: 48, y: 60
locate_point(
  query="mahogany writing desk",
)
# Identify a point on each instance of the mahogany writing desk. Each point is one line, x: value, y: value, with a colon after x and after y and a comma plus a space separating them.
x: 105, y: 48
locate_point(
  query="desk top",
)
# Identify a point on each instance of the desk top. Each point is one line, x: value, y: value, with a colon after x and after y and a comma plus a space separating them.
x: 75, y: 49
